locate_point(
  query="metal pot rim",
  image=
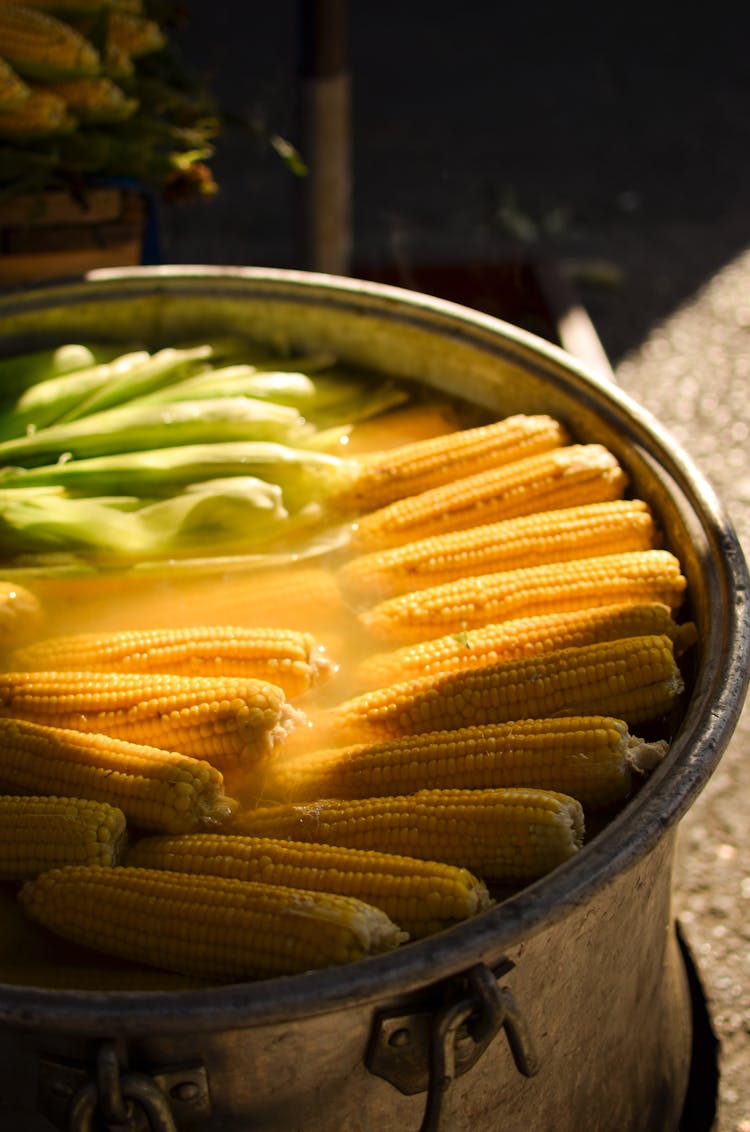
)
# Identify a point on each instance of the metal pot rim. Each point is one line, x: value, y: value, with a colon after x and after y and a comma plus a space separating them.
x: 696, y: 749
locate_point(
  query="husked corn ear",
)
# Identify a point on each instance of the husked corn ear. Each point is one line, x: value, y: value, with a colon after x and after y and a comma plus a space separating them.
x: 117, y: 62
x: 162, y: 791
x: 134, y: 34
x: 484, y: 599
x: 288, y: 658
x: 301, y: 597
x: 206, y: 926
x: 523, y: 636
x: 589, y: 757
x: 422, y: 897
x: 228, y: 721
x: 562, y: 477
x: 42, y: 113
x: 13, y: 90
x: 634, y: 679
x: 21, y: 615
x: 511, y: 835
x: 424, y: 464
x: 530, y: 540
x: 96, y: 99
x: 38, y: 833
x: 39, y: 46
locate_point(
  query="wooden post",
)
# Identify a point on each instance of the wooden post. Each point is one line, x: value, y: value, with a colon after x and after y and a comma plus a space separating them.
x: 326, y: 149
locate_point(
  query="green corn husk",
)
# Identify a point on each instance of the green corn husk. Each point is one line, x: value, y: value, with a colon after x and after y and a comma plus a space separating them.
x: 132, y: 428
x: 21, y: 371
x: 163, y: 368
x: 323, y: 399
x: 304, y: 475
x: 44, y: 402
x: 244, y: 514
x: 242, y: 380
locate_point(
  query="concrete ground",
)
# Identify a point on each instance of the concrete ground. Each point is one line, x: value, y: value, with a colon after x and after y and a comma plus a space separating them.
x: 618, y: 144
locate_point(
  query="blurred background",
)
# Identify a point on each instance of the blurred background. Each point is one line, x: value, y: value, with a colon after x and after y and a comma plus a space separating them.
x: 617, y: 140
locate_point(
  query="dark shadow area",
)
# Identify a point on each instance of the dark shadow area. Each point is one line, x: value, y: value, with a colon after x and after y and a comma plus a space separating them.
x: 617, y: 141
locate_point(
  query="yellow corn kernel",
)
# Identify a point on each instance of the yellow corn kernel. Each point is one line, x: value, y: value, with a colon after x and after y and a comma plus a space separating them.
x: 592, y: 758
x: 404, y: 425
x: 422, y: 897
x: 95, y: 99
x: 42, y: 113
x: 162, y: 791
x: 523, y: 636
x: 228, y: 721
x: 425, y: 464
x: 288, y: 658
x: 39, y: 46
x: 38, y: 833
x: 210, y: 927
x: 562, y: 477
x: 509, y: 835
x: 588, y: 531
x: 13, y: 90
x: 21, y: 615
x: 635, y: 679
x: 485, y: 599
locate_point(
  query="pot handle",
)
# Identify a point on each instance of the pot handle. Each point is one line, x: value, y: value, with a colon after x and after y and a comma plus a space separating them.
x: 426, y: 1050
x: 141, y: 1097
x: 123, y: 1099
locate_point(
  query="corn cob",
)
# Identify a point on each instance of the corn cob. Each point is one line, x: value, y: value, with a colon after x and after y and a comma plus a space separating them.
x: 13, y: 90
x: 38, y: 833
x: 635, y: 679
x: 484, y: 599
x: 162, y: 791
x: 589, y: 757
x: 117, y: 63
x: 288, y: 658
x: 422, y: 897
x: 562, y: 477
x: 530, y: 540
x: 39, y: 46
x: 523, y: 636
x: 301, y: 597
x: 509, y: 835
x: 42, y: 113
x: 425, y: 464
x: 21, y: 615
x: 210, y: 927
x: 134, y: 34
x: 408, y: 424
x: 96, y: 99
x: 228, y: 721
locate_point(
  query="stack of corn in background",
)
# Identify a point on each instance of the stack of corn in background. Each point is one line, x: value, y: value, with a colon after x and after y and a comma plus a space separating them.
x: 517, y: 670
x: 88, y: 90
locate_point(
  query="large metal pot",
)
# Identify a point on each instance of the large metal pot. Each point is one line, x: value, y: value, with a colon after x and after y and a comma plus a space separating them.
x: 563, y: 1009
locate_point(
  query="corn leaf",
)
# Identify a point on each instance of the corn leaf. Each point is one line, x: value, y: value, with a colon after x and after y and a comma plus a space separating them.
x: 305, y: 476
x: 131, y: 428
x: 43, y: 403
x: 163, y: 368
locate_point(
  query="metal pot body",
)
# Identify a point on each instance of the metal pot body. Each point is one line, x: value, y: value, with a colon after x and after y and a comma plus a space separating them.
x: 564, y: 1008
